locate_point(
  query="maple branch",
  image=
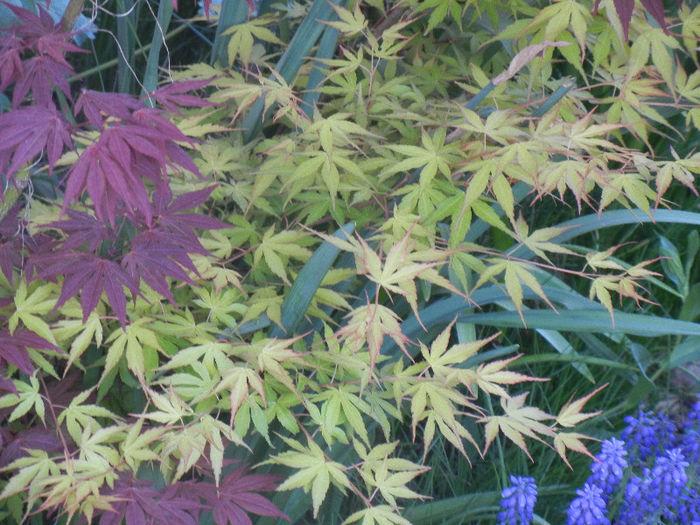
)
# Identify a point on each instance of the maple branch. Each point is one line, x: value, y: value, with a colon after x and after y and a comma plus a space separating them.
x: 71, y: 13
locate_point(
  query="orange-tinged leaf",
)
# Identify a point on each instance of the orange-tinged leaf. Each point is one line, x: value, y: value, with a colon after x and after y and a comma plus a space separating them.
x: 517, y: 422
x: 368, y: 325
x: 571, y: 415
x: 601, y: 260
x: 523, y: 58
x: 572, y: 441
x: 440, y: 359
x: 489, y: 376
x: 538, y: 241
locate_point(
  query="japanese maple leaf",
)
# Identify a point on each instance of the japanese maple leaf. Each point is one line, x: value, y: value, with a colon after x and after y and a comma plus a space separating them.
x: 624, y: 10
x: 10, y: 242
x: 97, y: 105
x: 82, y: 229
x: 27, y: 132
x: 163, y: 250
x: 174, y: 95
x: 153, y: 257
x: 111, y: 169
x: 168, y: 215
x: 90, y: 275
x: 237, y: 497
x: 48, y: 68
x: 11, y: 67
x: 14, y: 349
x: 40, y: 75
x: 32, y: 438
x: 518, y: 421
x: 134, y: 501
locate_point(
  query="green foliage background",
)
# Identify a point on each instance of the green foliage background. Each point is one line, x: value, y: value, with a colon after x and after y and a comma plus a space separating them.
x: 507, y: 217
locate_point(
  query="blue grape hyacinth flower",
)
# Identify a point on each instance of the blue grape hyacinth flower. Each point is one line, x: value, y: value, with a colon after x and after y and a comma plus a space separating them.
x: 589, y: 507
x: 668, y: 481
x: 648, y: 433
x: 609, y: 468
x: 636, y: 505
x: 518, y: 501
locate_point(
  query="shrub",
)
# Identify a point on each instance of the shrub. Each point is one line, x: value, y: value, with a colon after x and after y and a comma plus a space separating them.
x: 298, y: 266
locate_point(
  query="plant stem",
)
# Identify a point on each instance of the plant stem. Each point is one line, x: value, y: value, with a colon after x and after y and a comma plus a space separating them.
x: 111, y: 63
x: 72, y: 12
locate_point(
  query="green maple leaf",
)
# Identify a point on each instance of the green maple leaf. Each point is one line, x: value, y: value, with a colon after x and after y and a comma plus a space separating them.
x: 315, y: 471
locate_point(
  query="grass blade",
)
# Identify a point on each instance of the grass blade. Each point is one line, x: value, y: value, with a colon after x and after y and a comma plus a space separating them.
x: 301, y: 293
x: 326, y: 50
x: 150, y: 78
x: 232, y: 12
x: 607, y: 219
x: 581, y: 315
x: 305, y: 37
x: 125, y: 41
x: 587, y: 321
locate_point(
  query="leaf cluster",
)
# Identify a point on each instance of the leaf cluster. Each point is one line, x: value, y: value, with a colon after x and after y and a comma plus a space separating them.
x: 287, y: 261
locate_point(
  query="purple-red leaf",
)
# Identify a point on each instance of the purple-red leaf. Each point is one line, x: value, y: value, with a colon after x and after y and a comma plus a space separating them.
x: 89, y: 275
x: 111, y: 169
x: 625, y: 9
x: 96, y: 105
x: 36, y: 34
x: 138, y: 503
x: 173, y: 95
x: 26, y: 132
x: 237, y: 497
x: 82, y: 229
x: 32, y: 438
x: 14, y: 348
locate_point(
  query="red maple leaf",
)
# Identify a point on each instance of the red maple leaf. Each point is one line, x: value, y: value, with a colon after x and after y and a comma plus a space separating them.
x: 82, y: 229
x: 89, y: 275
x: 96, y: 105
x: 32, y: 438
x: 174, y: 95
x: 237, y: 497
x: 14, y: 349
x: 625, y: 8
x: 112, y: 168
x: 163, y: 250
x: 26, y: 132
x: 137, y: 503
x: 41, y: 73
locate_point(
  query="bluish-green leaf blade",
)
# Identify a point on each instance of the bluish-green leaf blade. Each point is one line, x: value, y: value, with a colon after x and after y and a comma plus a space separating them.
x: 587, y: 321
x: 305, y: 37
x: 301, y: 293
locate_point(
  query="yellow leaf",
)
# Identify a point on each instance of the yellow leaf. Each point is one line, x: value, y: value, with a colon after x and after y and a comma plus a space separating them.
x: 571, y: 440
x: 571, y: 415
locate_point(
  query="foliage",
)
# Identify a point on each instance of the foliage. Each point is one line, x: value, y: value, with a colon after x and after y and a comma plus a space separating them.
x: 293, y: 261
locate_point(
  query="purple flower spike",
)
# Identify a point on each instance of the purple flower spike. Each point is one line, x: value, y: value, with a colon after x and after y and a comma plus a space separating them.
x: 518, y: 501
x: 669, y: 479
x: 609, y: 469
x: 693, y: 419
x: 588, y: 508
x: 637, y: 504
x: 648, y: 433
